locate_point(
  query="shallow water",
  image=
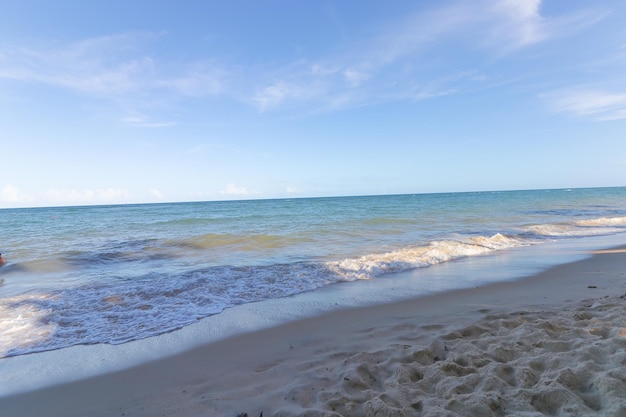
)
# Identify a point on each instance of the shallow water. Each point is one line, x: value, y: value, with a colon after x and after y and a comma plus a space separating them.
x: 114, y: 274
x: 28, y: 372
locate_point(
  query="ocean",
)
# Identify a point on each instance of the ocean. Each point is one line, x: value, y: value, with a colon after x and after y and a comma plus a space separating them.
x: 115, y: 274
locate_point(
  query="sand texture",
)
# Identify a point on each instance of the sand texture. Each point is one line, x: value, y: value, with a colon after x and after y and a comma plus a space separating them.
x: 567, y: 363
x: 549, y: 345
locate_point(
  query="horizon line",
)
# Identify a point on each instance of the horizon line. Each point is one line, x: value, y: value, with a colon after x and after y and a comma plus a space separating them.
x: 303, y: 197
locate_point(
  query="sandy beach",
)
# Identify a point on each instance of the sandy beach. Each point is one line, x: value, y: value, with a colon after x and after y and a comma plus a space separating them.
x: 550, y: 344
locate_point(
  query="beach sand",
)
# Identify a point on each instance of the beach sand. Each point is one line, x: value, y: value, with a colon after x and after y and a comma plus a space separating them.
x: 551, y: 344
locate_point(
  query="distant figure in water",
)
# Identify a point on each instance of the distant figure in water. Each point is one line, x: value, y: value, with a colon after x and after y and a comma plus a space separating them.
x: 2, y: 260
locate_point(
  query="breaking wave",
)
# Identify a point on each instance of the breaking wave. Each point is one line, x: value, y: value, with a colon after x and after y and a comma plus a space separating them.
x: 129, y: 309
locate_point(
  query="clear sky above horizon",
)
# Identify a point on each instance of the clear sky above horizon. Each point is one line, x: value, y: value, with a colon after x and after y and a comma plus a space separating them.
x: 149, y: 101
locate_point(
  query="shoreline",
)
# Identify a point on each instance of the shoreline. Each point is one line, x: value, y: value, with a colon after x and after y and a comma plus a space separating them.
x: 334, y: 360
x: 24, y: 373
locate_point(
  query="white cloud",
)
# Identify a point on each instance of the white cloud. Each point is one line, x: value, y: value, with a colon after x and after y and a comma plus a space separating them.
x: 367, y: 70
x: 116, y: 68
x: 320, y: 69
x: 521, y: 23
x: 355, y: 77
x: 271, y: 96
x: 232, y: 189
x: 156, y: 193
x: 104, y: 66
x: 291, y: 190
x: 11, y: 194
x: 296, y: 86
x: 140, y: 121
x: 389, y: 65
x: 199, y: 82
x: 597, y: 104
x: 86, y: 196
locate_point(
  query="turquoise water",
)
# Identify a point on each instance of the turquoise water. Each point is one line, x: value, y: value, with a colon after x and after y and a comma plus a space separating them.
x: 113, y: 274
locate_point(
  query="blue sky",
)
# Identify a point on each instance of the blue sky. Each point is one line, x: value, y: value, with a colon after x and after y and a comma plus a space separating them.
x: 148, y: 101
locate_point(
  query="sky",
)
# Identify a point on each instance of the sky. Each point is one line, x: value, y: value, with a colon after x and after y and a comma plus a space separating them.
x: 117, y: 101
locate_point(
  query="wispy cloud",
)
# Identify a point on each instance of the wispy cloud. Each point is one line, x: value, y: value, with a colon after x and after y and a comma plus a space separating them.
x: 12, y: 195
x: 86, y: 196
x: 519, y: 22
x: 141, y: 121
x: 102, y: 66
x: 118, y: 68
x: 274, y: 94
x: 238, y: 190
x: 200, y: 80
x: 156, y: 193
x: 354, y: 76
x: 395, y: 62
x: 599, y: 105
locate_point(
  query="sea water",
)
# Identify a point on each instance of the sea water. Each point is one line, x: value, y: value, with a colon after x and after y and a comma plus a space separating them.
x: 115, y: 274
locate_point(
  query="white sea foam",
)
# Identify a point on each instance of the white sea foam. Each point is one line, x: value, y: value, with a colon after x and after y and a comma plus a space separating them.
x: 28, y: 372
x: 23, y: 323
x: 121, y: 311
x: 167, y: 266
x: 580, y: 228
x: 602, y: 222
x: 374, y: 265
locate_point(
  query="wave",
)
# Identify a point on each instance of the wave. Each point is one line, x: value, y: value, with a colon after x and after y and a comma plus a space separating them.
x: 128, y: 309
x: 436, y: 252
x: 120, y: 312
x: 580, y: 228
x: 374, y: 265
x: 603, y: 221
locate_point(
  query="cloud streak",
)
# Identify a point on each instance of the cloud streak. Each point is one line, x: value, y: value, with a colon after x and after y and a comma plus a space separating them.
x: 237, y: 190
x: 110, y: 67
x: 86, y: 195
x: 520, y: 22
x: 394, y: 63
x: 11, y: 195
x: 141, y: 121
x: 599, y: 105
x: 90, y: 66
